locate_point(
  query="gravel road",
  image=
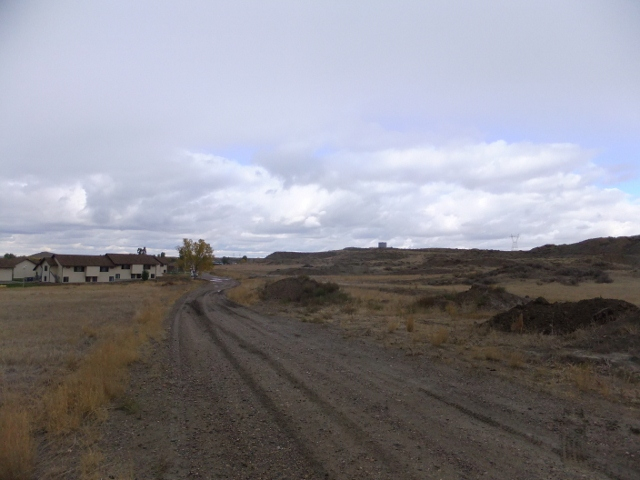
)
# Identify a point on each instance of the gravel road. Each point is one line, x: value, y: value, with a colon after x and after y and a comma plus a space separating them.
x: 239, y: 395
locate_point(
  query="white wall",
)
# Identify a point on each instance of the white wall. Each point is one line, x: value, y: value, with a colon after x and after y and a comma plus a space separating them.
x: 74, y: 277
x: 24, y: 269
x: 6, y: 274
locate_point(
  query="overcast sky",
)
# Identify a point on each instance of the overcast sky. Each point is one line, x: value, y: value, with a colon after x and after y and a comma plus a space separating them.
x: 317, y: 125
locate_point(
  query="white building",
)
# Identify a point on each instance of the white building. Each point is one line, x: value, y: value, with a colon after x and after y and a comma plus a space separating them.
x: 18, y: 268
x: 111, y: 267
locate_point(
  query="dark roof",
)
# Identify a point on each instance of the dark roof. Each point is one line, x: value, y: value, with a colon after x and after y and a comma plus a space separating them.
x: 133, y: 259
x: 12, y: 262
x: 83, y: 260
x: 42, y: 255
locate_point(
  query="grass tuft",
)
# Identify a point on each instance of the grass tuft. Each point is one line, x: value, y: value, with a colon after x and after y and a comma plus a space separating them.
x: 410, y: 324
x: 451, y: 309
x: 516, y: 360
x: 439, y: 337
x: 392, y: 325
x: 16, y: 443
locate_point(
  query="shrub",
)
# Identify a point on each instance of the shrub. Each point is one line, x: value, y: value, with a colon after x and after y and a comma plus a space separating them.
x: 410, y: 324
x: 451, y: 309
x: 603, y: 277
x: 428, y: 301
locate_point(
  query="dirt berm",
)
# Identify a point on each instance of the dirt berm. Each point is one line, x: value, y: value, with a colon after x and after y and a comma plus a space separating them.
x: 540, y: 316
x: 301, y: 289
x: 489, y: 298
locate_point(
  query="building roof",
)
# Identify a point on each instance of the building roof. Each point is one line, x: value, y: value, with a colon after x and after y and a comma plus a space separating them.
x: 81, y: 260
x: 42, y: 255
x: 12, y: 262
x: 132, y: 259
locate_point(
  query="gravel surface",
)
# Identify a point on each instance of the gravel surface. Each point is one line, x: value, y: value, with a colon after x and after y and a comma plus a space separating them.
x: 234, y: 394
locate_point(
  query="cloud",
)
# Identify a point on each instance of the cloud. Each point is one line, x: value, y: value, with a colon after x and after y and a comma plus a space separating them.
x: 440, y: 123
x: 457, y: 196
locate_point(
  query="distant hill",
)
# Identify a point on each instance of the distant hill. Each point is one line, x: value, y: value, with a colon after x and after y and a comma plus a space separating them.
x: 617, y: 246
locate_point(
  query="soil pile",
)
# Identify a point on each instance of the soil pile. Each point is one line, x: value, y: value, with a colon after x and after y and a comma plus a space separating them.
x: 301, y: 289
x: 621, y: 336
x: 478, y: 297
x: 540, y: 316
x: 488, y: 298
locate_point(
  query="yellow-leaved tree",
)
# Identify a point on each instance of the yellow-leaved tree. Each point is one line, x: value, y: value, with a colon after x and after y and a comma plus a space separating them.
x: 195, y: 256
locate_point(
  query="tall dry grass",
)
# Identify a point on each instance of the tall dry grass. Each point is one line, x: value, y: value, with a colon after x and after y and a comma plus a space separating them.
x: 68, y: 349
x: 16, y: 443
x: 102, y: 376
x: 248, y: 292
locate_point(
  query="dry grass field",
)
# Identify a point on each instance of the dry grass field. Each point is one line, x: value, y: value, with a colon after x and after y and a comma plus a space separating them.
x: 64, y: 352
x: 383, y: 306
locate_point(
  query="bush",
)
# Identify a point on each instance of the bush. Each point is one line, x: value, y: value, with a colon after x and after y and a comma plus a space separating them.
x: 429, y: 301
x: 603, y: 277
x: 145, y: 275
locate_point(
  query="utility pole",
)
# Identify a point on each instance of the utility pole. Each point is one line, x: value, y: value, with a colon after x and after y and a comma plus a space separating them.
x: 514, y: 242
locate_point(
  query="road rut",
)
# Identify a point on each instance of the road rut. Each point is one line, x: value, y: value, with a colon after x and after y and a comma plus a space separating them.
x: 241, y: 395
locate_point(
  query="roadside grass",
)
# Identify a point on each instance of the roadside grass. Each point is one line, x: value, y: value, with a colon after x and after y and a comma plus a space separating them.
x: 17, y: 445
x: 247, y: 293
x: 102, y: 376
x: 64, y: 353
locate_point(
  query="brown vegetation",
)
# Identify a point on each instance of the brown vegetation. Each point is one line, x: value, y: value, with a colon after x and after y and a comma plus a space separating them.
x: 443, y: 298
x: 64, y: 353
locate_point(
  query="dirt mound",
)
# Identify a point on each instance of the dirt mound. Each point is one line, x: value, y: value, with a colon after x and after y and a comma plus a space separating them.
x: 301, y: 289
x: 489, y: 298
x: 479, y: 297
x: 559, y: 318
x: 621, y: 336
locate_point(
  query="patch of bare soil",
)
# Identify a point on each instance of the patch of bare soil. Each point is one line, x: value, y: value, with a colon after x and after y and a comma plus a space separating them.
x: 540, y: 316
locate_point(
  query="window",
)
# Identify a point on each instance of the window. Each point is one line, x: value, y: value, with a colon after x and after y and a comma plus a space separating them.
x: 46, y: 268
x: 147, y: 267
x: 104, y: 269
x: 153, y: 275
x: 78, y: 269
x: 111, y: 279
x: 65, y: 279
x: 91, y: 279
x: 117, y: 276
x: 45, y: 279
x: 126, y: 267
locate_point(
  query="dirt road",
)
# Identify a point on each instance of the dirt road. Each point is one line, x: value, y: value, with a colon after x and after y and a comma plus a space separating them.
x: 239, y: 395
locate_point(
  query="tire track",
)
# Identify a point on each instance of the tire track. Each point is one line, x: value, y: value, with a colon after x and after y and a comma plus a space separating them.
x: 219, y: 321
x: 358, y: 436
